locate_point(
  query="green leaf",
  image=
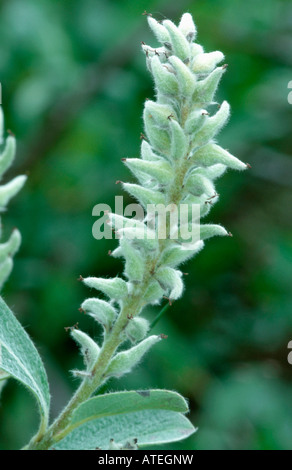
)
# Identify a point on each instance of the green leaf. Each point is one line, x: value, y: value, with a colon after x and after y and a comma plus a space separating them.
x: 149, y: 427
x: 20, y: 359
x: 126, y: 402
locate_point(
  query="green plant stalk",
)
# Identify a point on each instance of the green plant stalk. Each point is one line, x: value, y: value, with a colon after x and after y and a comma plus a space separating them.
x: 61, y: 427
x: 183, y: 89
x: 160, y: 315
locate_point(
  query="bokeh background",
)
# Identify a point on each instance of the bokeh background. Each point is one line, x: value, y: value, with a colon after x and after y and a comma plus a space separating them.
x: 73, y: 83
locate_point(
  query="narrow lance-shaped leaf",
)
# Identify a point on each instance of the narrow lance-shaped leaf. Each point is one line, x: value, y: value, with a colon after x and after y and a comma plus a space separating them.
x: 20, y: 359
x: 146, y: 428
x: 118, y: 403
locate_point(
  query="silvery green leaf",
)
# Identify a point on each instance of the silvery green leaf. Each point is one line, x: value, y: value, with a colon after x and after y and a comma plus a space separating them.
x: 115, y: 288
x: 119, y: 403
x: 4, y: 375
x: 205, y: 63
x: 8, y: 154
x: 180, y: 45
x: 20, y: 359
x: 123, y: 362
x: 9, y: 190
x: 149, y: 427
x: 101, y: 311
x: 213, y: 125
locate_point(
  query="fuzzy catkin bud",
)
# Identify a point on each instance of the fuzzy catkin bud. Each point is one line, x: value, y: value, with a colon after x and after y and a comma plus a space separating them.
x: 114, y: 288
x: 211, y: 154
x: 207, y: 88
x: 179, y: 141
x: 89, y: 349
x: 7, y: 191
x: 205, y: 63
x: 123, y: 362
x: 159, y: 30
x: 170, y: 281
x: 180, y: 44
x: 179, y: 164
x: 135, y: 264
x: 165, y: 81
x: 160, y: 113
x: 213, y: 125
x: 161, y: 170
x: 188, y: 27
x: 137, y: 329
x: 186, y: 79
x: 11, y: 246
x: 101, y: 311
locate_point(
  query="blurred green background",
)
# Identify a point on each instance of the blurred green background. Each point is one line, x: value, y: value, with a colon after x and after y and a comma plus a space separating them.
x: 73, y: 83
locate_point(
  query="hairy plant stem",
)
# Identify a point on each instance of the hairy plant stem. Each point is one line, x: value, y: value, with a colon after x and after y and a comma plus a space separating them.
x: 132, y: 307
